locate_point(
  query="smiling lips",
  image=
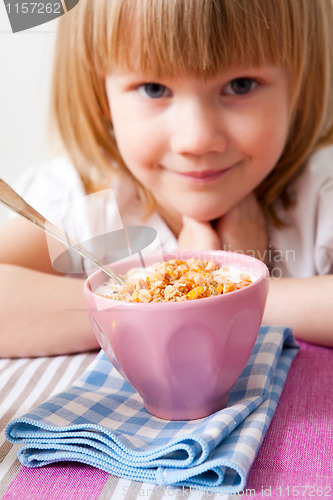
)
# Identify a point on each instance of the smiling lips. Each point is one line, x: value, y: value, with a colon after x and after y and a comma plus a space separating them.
x: 202, y: 176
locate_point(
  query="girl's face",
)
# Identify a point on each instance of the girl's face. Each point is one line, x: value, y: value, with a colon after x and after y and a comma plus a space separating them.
x: 200, y: 145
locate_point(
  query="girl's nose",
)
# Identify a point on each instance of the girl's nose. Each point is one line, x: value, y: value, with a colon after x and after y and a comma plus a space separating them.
x: 198, y: 129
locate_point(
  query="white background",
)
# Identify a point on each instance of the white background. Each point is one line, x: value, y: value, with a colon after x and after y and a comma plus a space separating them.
x: 25, y: 71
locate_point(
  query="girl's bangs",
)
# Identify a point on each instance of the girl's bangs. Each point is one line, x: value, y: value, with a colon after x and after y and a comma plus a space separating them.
x: 194, y: 37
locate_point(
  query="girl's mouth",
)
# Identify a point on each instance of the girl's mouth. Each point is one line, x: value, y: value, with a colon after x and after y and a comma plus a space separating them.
x: 201, y: 176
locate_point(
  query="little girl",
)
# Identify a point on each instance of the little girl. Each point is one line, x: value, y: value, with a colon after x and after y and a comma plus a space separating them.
x: 211, y: 121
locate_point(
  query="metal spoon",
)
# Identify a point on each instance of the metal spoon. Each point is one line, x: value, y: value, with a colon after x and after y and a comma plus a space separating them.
x: 11, y: 199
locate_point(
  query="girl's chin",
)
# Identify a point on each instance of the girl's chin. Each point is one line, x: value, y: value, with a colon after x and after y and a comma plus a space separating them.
x: 197, y: 211
x: 203, y: 215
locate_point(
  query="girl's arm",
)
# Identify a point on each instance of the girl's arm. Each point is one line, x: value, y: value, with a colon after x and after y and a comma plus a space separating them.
x: 41, y: 312
x: 305, y: 304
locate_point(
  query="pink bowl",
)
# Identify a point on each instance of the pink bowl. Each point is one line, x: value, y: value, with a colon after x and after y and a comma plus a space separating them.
x: 181, y: 357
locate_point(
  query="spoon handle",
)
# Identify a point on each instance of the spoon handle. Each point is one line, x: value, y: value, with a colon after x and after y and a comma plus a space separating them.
x: 12, y: 200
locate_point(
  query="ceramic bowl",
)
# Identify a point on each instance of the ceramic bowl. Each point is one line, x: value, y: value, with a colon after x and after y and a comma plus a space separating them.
x: 181, y: 357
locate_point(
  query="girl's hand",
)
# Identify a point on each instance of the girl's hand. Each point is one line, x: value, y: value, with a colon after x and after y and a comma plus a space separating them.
x: 197, y: 235
x: 244, y: 229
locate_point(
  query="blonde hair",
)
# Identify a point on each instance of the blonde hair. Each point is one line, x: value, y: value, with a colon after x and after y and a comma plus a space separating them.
x: 199, y: 38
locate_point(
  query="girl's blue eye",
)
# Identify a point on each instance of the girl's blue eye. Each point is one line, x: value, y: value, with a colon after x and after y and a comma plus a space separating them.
x: 240, y: 86
x: 153, y: 90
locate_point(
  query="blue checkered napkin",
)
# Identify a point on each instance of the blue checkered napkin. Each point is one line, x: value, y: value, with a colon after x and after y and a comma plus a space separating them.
x: 101, y: 421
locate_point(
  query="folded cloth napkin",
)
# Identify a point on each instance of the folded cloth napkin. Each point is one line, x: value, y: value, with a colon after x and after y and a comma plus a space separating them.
x: 101, y: 421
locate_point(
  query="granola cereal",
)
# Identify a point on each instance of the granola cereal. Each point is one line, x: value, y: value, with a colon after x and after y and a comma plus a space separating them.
x: 175, y: 280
